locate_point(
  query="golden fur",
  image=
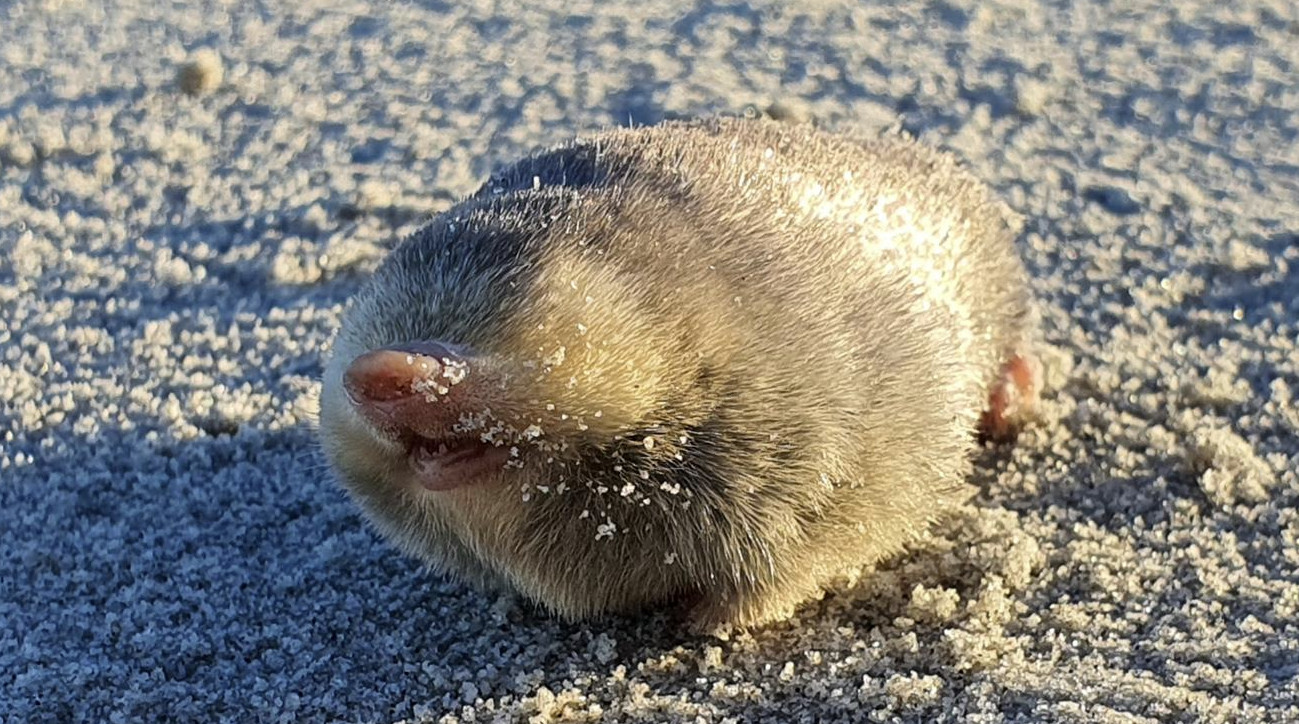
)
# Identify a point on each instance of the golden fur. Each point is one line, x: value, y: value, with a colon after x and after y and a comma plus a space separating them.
x: 806, y: 326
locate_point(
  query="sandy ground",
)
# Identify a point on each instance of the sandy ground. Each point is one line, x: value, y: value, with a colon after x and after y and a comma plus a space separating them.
x: 172, y: 266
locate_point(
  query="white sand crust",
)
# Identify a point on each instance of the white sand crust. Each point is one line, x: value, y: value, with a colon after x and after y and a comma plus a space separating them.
x: 189, y: 195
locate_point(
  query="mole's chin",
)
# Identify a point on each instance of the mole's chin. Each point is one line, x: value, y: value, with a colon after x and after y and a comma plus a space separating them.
x: 454, y: 462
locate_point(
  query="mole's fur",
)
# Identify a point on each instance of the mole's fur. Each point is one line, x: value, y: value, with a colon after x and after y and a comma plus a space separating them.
x: 718, y: 360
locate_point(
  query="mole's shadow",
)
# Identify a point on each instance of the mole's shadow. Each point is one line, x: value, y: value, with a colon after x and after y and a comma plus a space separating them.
x: 231, y: 567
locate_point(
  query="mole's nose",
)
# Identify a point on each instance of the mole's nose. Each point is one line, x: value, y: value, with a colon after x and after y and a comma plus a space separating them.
x: 398, y: 372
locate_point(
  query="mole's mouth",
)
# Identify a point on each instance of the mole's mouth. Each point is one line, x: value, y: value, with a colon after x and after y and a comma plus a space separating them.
x: 447, y: 463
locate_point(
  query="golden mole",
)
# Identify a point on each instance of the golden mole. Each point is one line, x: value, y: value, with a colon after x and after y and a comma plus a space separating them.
x: 719, y: 361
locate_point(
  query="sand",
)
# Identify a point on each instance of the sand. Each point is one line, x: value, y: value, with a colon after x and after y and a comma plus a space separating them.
x: 179, y: 230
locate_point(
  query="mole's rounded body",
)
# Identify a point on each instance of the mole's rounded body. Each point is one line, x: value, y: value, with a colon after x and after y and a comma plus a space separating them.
x: 724, y: 360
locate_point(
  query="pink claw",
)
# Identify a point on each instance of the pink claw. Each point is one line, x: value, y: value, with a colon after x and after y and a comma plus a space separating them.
x: 1014, y: 397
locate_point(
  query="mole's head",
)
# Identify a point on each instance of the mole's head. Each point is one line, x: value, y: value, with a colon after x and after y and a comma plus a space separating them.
x: 512, y: 405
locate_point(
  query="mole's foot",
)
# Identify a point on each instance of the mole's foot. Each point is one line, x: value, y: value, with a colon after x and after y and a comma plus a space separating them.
x: 1014, y: 398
